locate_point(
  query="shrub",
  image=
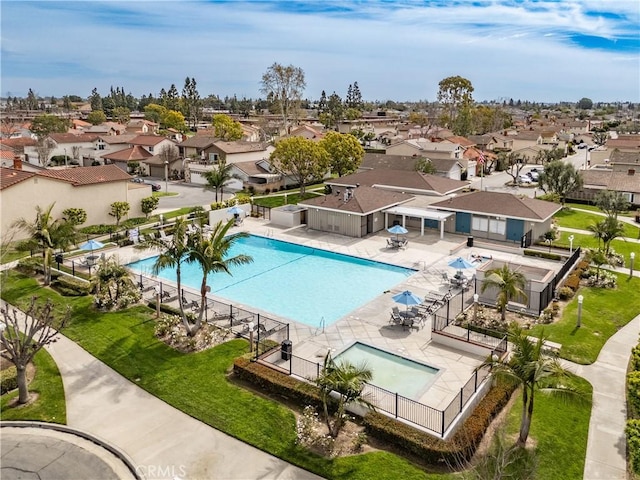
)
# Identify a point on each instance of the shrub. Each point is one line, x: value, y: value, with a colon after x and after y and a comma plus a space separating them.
x: 632, y: 432
x: 565, y: 293
x: 8, y: 380
x: 572, y: 282
x: 546, y: 316
x: 30, y: 265
x: 633, y: 385
x: 635, y: 358
x: 604, y: 279
x: 101, y: 229
x: 540, y: 254
x: 71, y: 286
x: 583, y: 265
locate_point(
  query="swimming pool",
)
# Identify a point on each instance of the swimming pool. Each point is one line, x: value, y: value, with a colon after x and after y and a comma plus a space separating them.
x: 390, y: 371
x: 299, y: 283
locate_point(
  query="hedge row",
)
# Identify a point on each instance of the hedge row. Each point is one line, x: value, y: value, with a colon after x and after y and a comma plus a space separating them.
x: 433, y: 450
x: 541, y: 254
x: 632, y: 430
x: 8, y: 380
x: 71, y: 286
x: 459, y: 448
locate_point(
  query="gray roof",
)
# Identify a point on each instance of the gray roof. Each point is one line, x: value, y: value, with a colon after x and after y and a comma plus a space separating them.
x: 364, y: 200
x: 503, y: 204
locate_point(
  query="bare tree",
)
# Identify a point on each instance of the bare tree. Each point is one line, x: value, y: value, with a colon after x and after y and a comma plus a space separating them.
x: 39, y: 326
x: 285, y: 85
x: 44, y: 147
x: 168, y: 154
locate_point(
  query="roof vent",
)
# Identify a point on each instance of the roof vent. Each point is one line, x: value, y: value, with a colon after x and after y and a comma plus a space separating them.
x: 631, y: 172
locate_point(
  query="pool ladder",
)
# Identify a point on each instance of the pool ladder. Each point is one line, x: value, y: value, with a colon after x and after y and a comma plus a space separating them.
x: 321, y: 325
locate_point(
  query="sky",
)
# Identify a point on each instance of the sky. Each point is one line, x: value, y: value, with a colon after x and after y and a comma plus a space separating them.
x: 537, y: 50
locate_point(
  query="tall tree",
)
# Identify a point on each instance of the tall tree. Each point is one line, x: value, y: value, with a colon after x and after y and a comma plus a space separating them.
x: 454, y: 93
x: 611, y: 202
x: 302, y: 158
x: 121, y: 115
x: 509, y: 283
x: 226, y: 127
x: 219, y: 177
x: 43, y: 125
x: 173, y: 253
x: 560, y: 178
x: 345, y: 152
x: 32, y: 100
x: 25, y: 334
x: 585, y: 103
x: 96, y: 117
x: 607, y: 231
x: 348, y: 381
x: 285, y: 85
x: 172, y: 100
x: 210, y: 253
x: 534, y: 369
x: 191, y: 102
x: 46, y: 233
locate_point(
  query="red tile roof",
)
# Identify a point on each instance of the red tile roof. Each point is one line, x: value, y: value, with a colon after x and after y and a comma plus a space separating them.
x: 9, y: 177
x: 131, y: 154
x: 18, y: 142
x: 88, y: 175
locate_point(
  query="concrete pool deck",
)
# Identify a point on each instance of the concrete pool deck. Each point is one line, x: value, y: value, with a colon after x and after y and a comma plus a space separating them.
x: 369, y: 323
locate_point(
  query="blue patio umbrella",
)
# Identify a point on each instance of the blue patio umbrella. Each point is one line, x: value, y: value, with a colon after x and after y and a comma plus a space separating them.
x: 397, y: 230
x: 460, y: 263
x: 91, y: 245
x: 235, y: 210
x: 407, y: 298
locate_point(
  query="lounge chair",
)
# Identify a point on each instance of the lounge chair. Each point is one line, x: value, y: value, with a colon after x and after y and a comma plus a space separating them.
x: 403, y: 242
x: 445, y: 277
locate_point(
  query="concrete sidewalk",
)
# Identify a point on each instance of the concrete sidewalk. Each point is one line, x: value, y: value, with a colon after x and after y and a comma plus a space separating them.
x: 606, y: 444
x: 162, y: 441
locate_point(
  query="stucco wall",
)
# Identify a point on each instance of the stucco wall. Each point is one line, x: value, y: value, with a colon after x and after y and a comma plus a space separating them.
x: 20, y: 200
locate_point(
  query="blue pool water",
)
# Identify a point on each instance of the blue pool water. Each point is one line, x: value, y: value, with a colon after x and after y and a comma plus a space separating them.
x: 293, y: 281
x: 390, y: 371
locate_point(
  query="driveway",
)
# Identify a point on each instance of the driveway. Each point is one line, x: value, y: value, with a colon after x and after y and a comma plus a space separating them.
x: 188, y: 196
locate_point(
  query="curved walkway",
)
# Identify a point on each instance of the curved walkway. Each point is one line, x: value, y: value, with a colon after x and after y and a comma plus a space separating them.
x: 606, y: 457
x: 162, y: 441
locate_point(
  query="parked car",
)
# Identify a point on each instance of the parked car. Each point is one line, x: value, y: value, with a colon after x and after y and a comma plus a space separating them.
x: 524, y: 179
x: 155, y: 187
x: 534, y: 176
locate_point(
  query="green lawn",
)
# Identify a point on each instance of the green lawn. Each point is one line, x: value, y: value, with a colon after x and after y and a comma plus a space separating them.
x: 580, y: 220
x: 164, y: 194
x: 604, y: 312
x: 47, y: 384
x: 593, y: 208
x: 587, y: 241
x: 560, y: 432
x: 278, y: 200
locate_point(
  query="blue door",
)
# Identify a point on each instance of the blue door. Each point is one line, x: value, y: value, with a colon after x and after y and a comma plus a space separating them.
x: 430, y: 223
x: 463, y: 222
x: 515, y: 229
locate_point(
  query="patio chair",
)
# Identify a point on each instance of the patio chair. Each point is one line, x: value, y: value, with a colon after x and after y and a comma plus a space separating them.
x: 395, y: 316
x: 403, y: 242
x: 390, y: 243
x: 445, y: 277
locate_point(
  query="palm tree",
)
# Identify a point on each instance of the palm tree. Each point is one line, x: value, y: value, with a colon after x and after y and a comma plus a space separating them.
x: 606, y: 231
x: 599, y: 258
x: 174, y: 252
x: 348, y: 381
x: 530, y: 366
x: 509, y: 283
x: 219, y: 177
x: 47, y: 233
x: 210, y: 252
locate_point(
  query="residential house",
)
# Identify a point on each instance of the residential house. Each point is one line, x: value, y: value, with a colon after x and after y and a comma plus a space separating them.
x: 422, y: 147
x: 130, y: 159
x: 90, y: 188
x: 257, y: 176
x: 595, y: 181
x: 198, y: 148
x: 69, y: 144
x: 107, y: 128
x: 308, y: 132
x: 499, y: 216
x: 140, y: 126
x: 154, y: 144
x: 106, y: 144
x: 411, y: 182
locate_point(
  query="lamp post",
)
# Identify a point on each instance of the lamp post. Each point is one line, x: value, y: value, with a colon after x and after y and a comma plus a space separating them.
x: 632, y: 257
x: 166, y: 176
x: 580, y: 300
x: 571, y: 237
x: 65, y: 158
x: 156, y: 291
x: 475, y: 307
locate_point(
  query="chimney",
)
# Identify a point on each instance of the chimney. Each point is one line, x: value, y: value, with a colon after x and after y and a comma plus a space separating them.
x: 631, y: 172
x: 17, y: 163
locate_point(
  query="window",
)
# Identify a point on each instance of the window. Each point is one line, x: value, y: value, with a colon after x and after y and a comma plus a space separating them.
x: 213, y: 157
x: 151, y: 149
x: 498, y: 226
x: 480, y: 223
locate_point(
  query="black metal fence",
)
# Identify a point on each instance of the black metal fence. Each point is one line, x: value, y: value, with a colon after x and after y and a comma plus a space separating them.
x: 549, y: 292
x: 392, y: 403
x: 266, y: 333
x: 260, y: 211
